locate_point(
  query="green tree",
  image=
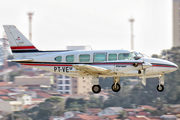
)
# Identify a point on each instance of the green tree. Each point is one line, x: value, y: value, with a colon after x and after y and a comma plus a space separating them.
x: 75, y: 104
x: 122, y: 115
x: 52, y: 106
x: 95, y: 102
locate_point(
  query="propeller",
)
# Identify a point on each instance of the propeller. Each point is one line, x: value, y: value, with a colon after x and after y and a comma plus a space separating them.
x: 144, y: 77
x: 144, y: 66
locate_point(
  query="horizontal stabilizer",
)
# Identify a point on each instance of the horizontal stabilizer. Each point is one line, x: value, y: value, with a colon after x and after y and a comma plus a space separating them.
x: 19, y: 60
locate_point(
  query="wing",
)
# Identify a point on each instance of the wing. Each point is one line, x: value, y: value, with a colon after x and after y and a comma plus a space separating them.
x: 83, y: 69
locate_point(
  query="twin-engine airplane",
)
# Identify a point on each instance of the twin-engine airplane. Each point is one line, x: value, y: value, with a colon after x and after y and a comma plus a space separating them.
x: 94, y: 63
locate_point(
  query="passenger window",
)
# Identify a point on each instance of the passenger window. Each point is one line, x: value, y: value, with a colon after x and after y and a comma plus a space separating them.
x: 70, y: 58
x: 59, y: 58
x: 99, y: 57
x: 84, y: 58
x: 112, y: 57
x: 124, y: 56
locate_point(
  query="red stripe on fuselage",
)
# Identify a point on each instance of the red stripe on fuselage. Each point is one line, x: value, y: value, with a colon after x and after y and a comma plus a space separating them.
x: 114, y: 63
x: 164, y: 66
x: 22, y: 47
x: 44, y: 64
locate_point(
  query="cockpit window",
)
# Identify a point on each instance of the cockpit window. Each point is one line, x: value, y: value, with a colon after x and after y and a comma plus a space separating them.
x: 138, y: 55
x: 124, y: 56
x: 133, y: 54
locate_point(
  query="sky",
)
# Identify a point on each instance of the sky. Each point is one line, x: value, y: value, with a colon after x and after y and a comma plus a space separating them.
x: 101, y: 24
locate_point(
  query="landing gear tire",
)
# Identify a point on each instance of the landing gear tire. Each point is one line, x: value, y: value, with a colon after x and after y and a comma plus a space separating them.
x: 160, y: 88
x: 116, y: 88
x: 96, y: 88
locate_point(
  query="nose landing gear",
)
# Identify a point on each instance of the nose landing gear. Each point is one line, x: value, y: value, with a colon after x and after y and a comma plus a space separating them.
x: 160, y: 87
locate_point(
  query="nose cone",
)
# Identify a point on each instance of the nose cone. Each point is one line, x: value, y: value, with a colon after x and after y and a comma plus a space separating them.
x: 163, y: 66
x: 173, y: 67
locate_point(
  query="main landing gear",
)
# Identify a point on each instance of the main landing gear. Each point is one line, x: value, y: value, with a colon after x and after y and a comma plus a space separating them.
x: 116, y: 86
x: 160, y: 87
x: 96, y: 88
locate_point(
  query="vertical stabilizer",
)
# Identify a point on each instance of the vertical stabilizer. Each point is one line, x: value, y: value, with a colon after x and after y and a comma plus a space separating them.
x: 18, y: 42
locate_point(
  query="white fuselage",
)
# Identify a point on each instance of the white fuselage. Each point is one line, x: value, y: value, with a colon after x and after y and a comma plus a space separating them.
x: 109, y: 59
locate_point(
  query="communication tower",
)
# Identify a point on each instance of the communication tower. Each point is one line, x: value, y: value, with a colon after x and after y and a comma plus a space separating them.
x: 131, y: 20
x: 30, y: 14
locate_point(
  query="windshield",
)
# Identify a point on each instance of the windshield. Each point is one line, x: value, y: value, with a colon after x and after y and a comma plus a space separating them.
x: 136, y: 55
x: 144, y: 55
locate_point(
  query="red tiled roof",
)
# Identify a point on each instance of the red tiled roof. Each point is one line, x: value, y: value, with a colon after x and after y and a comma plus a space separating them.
x: 132, y: 110
x: 29, y: 106
x: 3, y: 83
x: 6, y: 98
x: 94, y: 110
x: 143, y: 113
x: 65, y: 95
x: 43, y: 94
x: 7, y: 91
x: 147, y: 107
x: 87, y: 117
x: 36, y: 99
x: 156, y: 119
x: 136, y: 118
x: 111, y: 117
x: 1, y: 92
x: 32, y: 85
x: 36, y: 90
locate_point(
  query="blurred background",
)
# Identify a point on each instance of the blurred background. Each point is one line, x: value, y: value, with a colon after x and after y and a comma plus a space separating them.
x: 148, y: 26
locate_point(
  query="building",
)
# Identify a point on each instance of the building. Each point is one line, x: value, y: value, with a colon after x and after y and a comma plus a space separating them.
x: 84, y: 117
x: 133, y: 112
x: 64, y: 84
x: 146, y: 107
x: 11, y: 106
x: 93, y: 111
x: 176, y: 23
x: 84, y: 85
x: 138, y: 118
x: 168, y: 117
x: 25, y: 99
x: 56, y: 118
x: 110, y: 111
x: 73, y: 86
x: 36, y: 82
x: 71, y: 114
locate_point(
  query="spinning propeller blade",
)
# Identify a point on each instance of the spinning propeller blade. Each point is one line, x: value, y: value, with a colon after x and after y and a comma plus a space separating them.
x: 144, y: 66
x: 144, y: 77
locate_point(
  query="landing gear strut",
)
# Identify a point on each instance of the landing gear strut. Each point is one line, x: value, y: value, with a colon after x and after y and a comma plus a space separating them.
x: 160, y: 87
x: 116, y: 86
x: 96, y: 88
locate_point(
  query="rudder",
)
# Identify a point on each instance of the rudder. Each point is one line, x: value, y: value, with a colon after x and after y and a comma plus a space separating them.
x: 18, y: 42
